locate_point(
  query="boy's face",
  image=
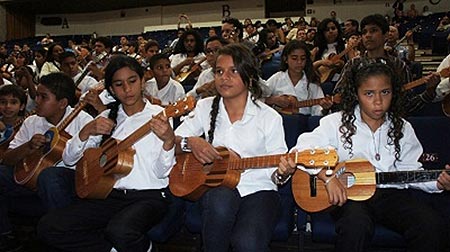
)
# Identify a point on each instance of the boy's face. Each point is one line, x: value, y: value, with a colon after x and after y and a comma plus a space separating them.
x: 162, y: 71
x: 47, y: 105
x: 10, y: 106
x: 372, y: 37
x: 69, y: 66
x: 151, y: 51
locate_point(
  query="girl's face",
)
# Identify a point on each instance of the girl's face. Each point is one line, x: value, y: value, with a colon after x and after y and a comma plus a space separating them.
x: 375, y: 96
x: 331, y: 33
x: 10, y: 106
x: 20, y: 61
x: 228, y: 81
x: 296, y: 61
x: 127, y: 87
x: 162, y: 71
x: 57, y: 50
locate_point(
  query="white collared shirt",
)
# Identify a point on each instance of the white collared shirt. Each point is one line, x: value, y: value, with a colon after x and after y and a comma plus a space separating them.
x: 151, y: 165
x: 443, y: 88
x: 260, y: 132
x: 39, y: 125
x: 366, y: 144
x: 281, y: 84
x: 176, y: 59
x: 86, y: 84
x: 205, y: 76
x: 170, y: 93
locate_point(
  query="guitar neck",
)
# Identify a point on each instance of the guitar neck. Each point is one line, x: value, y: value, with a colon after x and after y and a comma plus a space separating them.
x: 407, y: 176
x: 71, y: 116
x: 444, y: 73
x: 83, y: 75
x: 173, y: 110
x: 308, y: 103
x: 273, y: 161
x: 414, y: 84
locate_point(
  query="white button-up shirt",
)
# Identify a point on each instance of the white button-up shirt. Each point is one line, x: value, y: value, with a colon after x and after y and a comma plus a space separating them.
x: 260, y: 132
x: 151, y: 165
x: 366, y: 144
x: 39, y: 125
x: 281, y: 84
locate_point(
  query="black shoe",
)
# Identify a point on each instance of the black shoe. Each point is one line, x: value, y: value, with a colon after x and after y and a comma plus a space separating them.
x: 9, y: 243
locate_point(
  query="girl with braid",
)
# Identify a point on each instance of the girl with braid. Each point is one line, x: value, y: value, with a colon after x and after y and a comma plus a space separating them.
x: 243, y: 218
x: 370, y: 126
x: 138, y: 200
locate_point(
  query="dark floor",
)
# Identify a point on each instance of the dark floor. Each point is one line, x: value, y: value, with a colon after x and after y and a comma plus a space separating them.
x: 186, y: 242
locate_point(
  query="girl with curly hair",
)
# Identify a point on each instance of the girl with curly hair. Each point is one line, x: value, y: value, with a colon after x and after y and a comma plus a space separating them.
x: 370, y: 126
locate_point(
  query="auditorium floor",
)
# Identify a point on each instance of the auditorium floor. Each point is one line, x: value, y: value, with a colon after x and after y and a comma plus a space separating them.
x: 186, y: 242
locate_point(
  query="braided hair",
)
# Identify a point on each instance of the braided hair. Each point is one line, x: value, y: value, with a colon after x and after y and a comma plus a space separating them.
x: 359, y: 74
x: 247, y: 66
x: 118, y: 62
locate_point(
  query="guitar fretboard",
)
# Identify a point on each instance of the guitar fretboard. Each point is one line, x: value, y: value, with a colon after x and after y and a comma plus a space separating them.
x: 302, y: 158
x: 407, y: 176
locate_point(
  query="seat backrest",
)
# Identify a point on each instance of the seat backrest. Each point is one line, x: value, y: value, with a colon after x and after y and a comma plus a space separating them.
x: 433, y: 133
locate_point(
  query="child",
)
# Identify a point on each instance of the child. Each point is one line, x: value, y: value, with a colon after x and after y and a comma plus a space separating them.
x: 12, y: 107
x: 138, y: 201
x: 69, y: 66
x: 207, y: 75
x: 55, y: 185
x: 162, y: 86
x: 296, y: 79
x: 241, y: 218
x: 370, y: 126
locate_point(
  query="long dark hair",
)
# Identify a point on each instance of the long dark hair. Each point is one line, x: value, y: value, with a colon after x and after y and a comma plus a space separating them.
x: 118, y: 62
x: 247, y: 66
x: 295, y: 45
x: 180, y: 48
x: 360, y: 73
x: 320, y: 40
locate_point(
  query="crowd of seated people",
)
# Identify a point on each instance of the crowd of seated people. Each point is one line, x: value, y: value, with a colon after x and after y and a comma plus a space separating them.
x: 241, y: 77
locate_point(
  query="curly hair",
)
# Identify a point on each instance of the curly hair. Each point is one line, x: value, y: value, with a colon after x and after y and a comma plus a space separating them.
x: 349, y: 100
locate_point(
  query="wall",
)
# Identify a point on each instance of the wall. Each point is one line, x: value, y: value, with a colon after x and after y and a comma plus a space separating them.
x: 2, y: 23
x: 134, y: 21
x: 138, y: 20
x: 346, y: 9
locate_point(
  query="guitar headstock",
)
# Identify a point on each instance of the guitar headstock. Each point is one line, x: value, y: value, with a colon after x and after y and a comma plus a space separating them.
x: 99, y: 57
x: 317, y: 158
x: 445, y: 73
x: 180, y: 107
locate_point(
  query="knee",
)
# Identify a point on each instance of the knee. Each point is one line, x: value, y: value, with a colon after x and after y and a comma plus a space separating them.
x: 219, y: 201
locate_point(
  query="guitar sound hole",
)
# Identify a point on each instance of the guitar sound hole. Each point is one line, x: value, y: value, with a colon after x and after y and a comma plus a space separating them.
x: 347, y: 179
x: 103, y: 160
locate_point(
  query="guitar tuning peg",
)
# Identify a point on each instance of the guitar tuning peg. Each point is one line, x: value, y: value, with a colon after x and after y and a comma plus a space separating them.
x: 328, y: 172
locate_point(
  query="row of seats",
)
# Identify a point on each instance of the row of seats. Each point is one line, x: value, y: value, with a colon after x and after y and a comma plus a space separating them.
x: 432, y: 131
